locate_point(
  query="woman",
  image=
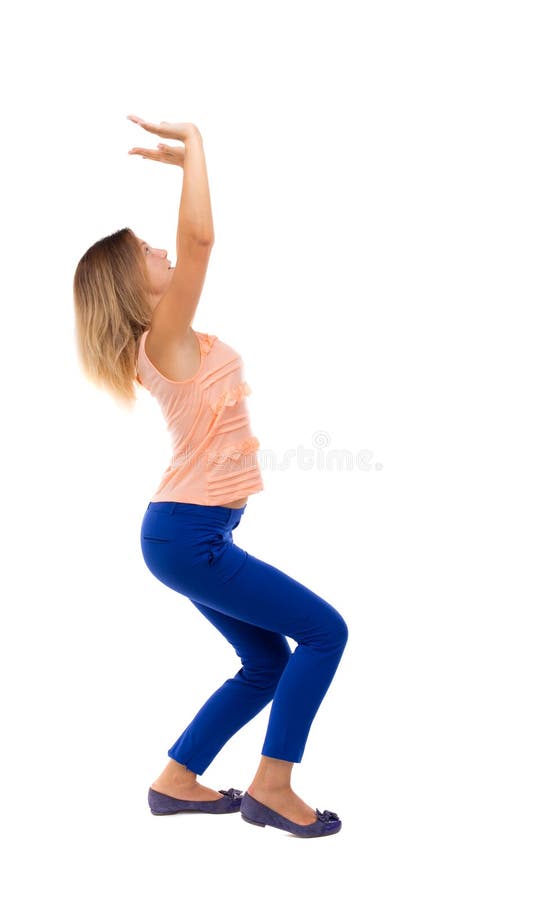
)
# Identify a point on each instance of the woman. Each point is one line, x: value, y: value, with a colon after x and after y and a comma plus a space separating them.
x: 134, y: 314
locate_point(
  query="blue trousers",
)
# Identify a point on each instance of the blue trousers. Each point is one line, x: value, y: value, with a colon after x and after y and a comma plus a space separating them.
x: 189, y: 547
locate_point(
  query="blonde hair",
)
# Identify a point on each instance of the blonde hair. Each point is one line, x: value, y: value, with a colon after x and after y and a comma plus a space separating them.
x: 110, y: 295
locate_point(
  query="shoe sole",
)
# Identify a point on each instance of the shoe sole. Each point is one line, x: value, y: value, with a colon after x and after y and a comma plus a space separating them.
x: 252, y: 822
x: 175, y: 812
x: 183, y: 812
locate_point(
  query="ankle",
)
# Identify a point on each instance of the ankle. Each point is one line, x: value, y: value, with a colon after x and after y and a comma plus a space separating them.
x: 267, y: 787
x: 177, y: 774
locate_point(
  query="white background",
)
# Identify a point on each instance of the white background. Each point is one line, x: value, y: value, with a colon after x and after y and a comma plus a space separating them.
x: 382, y: 192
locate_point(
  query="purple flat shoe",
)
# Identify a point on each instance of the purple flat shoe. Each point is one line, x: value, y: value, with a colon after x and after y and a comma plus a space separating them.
x: 163, y: 805
x: 256, y: 813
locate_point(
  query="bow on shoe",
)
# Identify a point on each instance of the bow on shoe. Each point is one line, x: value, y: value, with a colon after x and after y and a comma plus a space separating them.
x: 326, y: 815
x: 233, y: 793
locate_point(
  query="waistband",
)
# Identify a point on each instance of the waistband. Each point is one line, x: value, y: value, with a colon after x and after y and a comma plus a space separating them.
x: 225, y: 514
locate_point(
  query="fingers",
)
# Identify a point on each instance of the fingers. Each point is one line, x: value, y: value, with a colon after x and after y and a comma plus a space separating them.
x: 145, y: 153
x: 137, y: 119
x: 179, y: 131
x: 163, y: 155
x: 148, y: 126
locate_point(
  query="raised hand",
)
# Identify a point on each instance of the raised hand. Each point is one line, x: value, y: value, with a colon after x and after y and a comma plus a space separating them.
x: 165, y: 153
x: 179, y: 131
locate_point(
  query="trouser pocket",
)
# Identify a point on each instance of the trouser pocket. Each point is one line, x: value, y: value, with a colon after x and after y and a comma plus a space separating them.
x: 157, y: 528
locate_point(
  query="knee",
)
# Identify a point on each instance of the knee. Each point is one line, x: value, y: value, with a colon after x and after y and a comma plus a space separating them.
x: 342, y: 629
x: 337, y: 632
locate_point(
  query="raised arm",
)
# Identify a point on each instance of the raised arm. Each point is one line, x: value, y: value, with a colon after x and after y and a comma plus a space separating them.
x: 175, y: 311
x: 195, y: 211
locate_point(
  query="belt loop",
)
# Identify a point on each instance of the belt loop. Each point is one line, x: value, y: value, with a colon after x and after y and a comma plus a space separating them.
x: 173, y: 507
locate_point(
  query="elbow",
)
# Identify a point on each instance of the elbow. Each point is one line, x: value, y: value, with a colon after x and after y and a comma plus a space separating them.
x: 200, y: 238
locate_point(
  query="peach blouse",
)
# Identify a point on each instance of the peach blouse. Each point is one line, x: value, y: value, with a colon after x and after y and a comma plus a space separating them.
x: 214, y: 451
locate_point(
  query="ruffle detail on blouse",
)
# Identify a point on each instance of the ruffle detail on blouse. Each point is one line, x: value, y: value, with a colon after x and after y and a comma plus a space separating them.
x: 206, y: 341
x: 229, y: 398
x: 234, y: 451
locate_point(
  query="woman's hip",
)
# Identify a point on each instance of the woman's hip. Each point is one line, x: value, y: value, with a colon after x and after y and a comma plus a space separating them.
x: 188, y: 546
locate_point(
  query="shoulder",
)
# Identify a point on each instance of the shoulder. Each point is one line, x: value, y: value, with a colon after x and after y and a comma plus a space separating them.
x: 176, y: 357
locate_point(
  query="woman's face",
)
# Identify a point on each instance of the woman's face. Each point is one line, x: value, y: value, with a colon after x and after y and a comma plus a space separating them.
x: 160, y: 272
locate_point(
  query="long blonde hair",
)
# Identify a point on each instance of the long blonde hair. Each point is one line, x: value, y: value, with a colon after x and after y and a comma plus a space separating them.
x: 110, y: 295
